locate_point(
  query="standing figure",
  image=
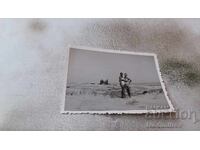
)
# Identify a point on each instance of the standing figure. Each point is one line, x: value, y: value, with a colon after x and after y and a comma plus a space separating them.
x: 127, y: 82
x: 122, y: 83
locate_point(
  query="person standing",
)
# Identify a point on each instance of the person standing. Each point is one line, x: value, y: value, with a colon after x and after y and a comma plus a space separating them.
x: 127, y: 82
x: 122, y: 83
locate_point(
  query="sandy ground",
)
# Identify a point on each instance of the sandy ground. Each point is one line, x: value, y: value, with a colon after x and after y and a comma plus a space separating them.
x: 105, y: 103
x: 33, y: 70
x: 87, y: 97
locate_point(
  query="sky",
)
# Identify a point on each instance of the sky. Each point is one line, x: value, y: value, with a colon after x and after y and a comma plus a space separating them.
x: 92, y: 66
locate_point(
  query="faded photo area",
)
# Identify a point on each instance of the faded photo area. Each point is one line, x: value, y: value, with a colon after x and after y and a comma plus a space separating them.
x: 113, y: 81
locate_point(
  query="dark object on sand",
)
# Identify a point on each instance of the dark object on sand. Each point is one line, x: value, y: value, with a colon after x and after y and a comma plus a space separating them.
x: 106, y: 82
x: 144, y: 92
x: 102, y: 82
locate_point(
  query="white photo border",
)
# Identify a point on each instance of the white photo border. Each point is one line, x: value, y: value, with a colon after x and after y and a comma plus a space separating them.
x: 146, y: 111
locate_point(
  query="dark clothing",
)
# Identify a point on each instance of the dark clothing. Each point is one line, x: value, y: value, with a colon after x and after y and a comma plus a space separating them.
x: 124, y: 83
x: 122, y: 92
x: 121, y: 82
x: 127, y: 80
x: 127, y: 88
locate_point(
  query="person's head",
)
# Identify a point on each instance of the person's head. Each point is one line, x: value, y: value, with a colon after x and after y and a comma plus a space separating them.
x: 121, y: 74
x: 125, y: 74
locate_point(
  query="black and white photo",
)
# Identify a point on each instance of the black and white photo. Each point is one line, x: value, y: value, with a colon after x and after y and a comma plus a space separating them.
x: 112, y: 81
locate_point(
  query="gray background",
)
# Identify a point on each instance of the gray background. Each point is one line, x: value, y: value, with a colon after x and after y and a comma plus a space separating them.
x: 87, y: 66
x: 33, y: 69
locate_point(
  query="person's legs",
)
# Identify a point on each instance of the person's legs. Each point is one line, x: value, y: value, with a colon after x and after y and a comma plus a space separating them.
x: 122, y: 92
x: 128, y: 90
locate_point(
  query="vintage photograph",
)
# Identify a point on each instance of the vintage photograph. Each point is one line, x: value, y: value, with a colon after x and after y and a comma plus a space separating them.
x: 114, y: 82
x: 98, y: 74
